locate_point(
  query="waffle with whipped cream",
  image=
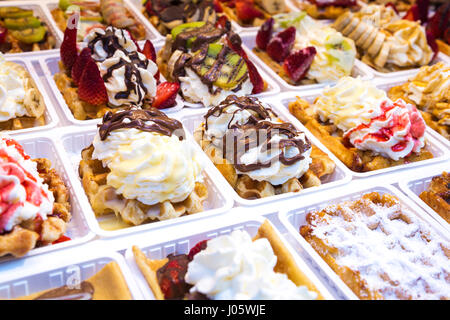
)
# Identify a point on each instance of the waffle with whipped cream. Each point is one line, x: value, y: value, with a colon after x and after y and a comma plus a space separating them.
x: 271, y: 156
x: 126, y: 171
x: 380, y: 249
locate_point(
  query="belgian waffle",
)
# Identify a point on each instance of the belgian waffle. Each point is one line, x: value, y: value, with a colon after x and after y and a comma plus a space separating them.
x: 437, y: 195
x: 104, y: 199
x: 378, y: 248
x: 31, y: 234
x: 355, y: 159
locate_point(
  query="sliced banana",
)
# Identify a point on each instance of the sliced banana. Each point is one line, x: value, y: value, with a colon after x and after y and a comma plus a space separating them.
x: 370, y: 39
x: 383, y: 55
x: 342, y: 21
x: 357, y: 32
x: 368, y: 30
x: 350, y: 27
x: 376, y: 45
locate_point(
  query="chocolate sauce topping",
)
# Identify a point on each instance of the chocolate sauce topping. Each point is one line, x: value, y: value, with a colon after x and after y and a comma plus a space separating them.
x: 257, y: 132
x: 205, y: 34
x: 84, y: 292
x: 171, y: 10
x: 109, y: 40
x: 151, y: 120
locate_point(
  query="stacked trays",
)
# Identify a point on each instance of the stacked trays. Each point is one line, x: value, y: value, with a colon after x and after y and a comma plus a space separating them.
x: 63, y: 137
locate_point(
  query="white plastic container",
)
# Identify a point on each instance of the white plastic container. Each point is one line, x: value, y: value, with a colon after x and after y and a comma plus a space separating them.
x: 340, y: 176
x: 154, y: 248
x: 249, y: 41
x: 39, y: 11
x: 150, y: 34
x: 50, y: 67
x: 43, y: 146
x: 21, y: 278
x: 294, y: 216
x: 73, y: 140
x: 50, y: 115
x: 439, y: 151
x: 413, y: 187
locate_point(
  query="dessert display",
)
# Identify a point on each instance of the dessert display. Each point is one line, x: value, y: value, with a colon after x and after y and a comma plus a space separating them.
x: 168, y: 14
x: 22, y: 31
x: 98, y: 14
x: 109, y: 73
x: 257, y: 153
x: 107, y: 284
x: 229, y: 267
x: 380, y: 249
x: 251, y: 13
x: 302, y: 50
x: 141, y: 168
x: 208, y: 62
x: 35, y: 207
x: 429, y: 90
x: 437, y: 195
x: 326, y: 9
x: 384, y: 40
x: 365, y: 129
x: 21, y: 104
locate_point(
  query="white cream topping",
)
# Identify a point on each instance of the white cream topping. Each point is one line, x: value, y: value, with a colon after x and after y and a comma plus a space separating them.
x: 235, y: 267
x: 148, y: 166
x: 193, y: 88
x: 13, y: 174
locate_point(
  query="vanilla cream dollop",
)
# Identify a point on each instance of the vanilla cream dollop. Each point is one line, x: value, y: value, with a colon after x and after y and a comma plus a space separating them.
x: 148, y: 166
x: 24, y: 195
x: 235, y: 267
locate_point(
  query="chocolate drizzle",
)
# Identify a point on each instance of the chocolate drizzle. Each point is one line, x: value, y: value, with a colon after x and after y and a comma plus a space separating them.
x: 203, y: 35
x: 85, y: 291
x: 109, y: 40
x: 150, y: 120
x: 257, y: 132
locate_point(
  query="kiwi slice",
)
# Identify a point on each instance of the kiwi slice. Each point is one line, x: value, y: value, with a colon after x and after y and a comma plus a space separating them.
x: 14, y: 12
x: 225, y: 74
x: 22, y: 23
x: 30, y: 35
x: 185, y: 27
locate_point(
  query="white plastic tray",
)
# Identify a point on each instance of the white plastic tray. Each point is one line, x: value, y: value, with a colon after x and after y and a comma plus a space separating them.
x: 249, y: 41
x: 416, y: 185
x: 39, y: 11
x: 154, y: 248
x: 294, y: 216
x: 51, y: 118
x: 73, y: 140
x: 439, y: 151
x: 77, y: 229
x: 49, y: 65
x: 66, y: 267
x: 340, y: 176
x: 150, y: 34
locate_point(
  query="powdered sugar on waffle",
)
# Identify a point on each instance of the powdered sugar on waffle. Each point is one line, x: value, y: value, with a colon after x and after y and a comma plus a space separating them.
x: 395, y: 258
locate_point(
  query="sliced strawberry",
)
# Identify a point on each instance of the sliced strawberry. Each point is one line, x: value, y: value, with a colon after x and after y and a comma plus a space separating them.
x: 412, y: 14
x: 171, y: 277
x: 246, y: 11
x: 280, y: 46
x: 217, y: 6
x: 264, y: 34
x: 80, y: 64
x: 149, y: 51
x: 223, y: 23
x: 91, y: 87
x: 439, y: 22
x: 68, y: 49
x: 335, y: 3
x: 166, y: 93
x: 62, y: 238
x: 297, y: 64
x: 148, y: 8
x: 423, y: 8
x: 197, y: 248
x: 432, y: 43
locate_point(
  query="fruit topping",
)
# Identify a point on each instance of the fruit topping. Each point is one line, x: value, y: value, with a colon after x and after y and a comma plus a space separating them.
x: 223, y: 23
x: 439, y: 24
x: 392, y: 5
x: 279, y: 46
x: 264, y: 34
x: 334, y: 3
x: 186, y: 27
x: 62, y: 238
x: 150, y: 53
x: 22, y: 23
x: 166, y: 93
x: 14, y: 12
x: 246, y: 11
x: 217, y: 6
x: 68, y: 49
x: 197, y: 248
x: 3, y: 34
x: 171, y: 277
x: 91, y: 87
x: 297, y: 64
x: 80, y: 64
x: 30, y: 35
x: 431, y: 40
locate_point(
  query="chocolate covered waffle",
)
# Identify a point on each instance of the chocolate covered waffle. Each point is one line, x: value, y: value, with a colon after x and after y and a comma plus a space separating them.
x: 380, y: 250
x: 35, y: 206
x: 429, y: 90
x: 257, y: 153
x: 274, y: 275
x: 437, y: 195
x: 364, y: 128
x: 141, y: 168
x: 21, y: 104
